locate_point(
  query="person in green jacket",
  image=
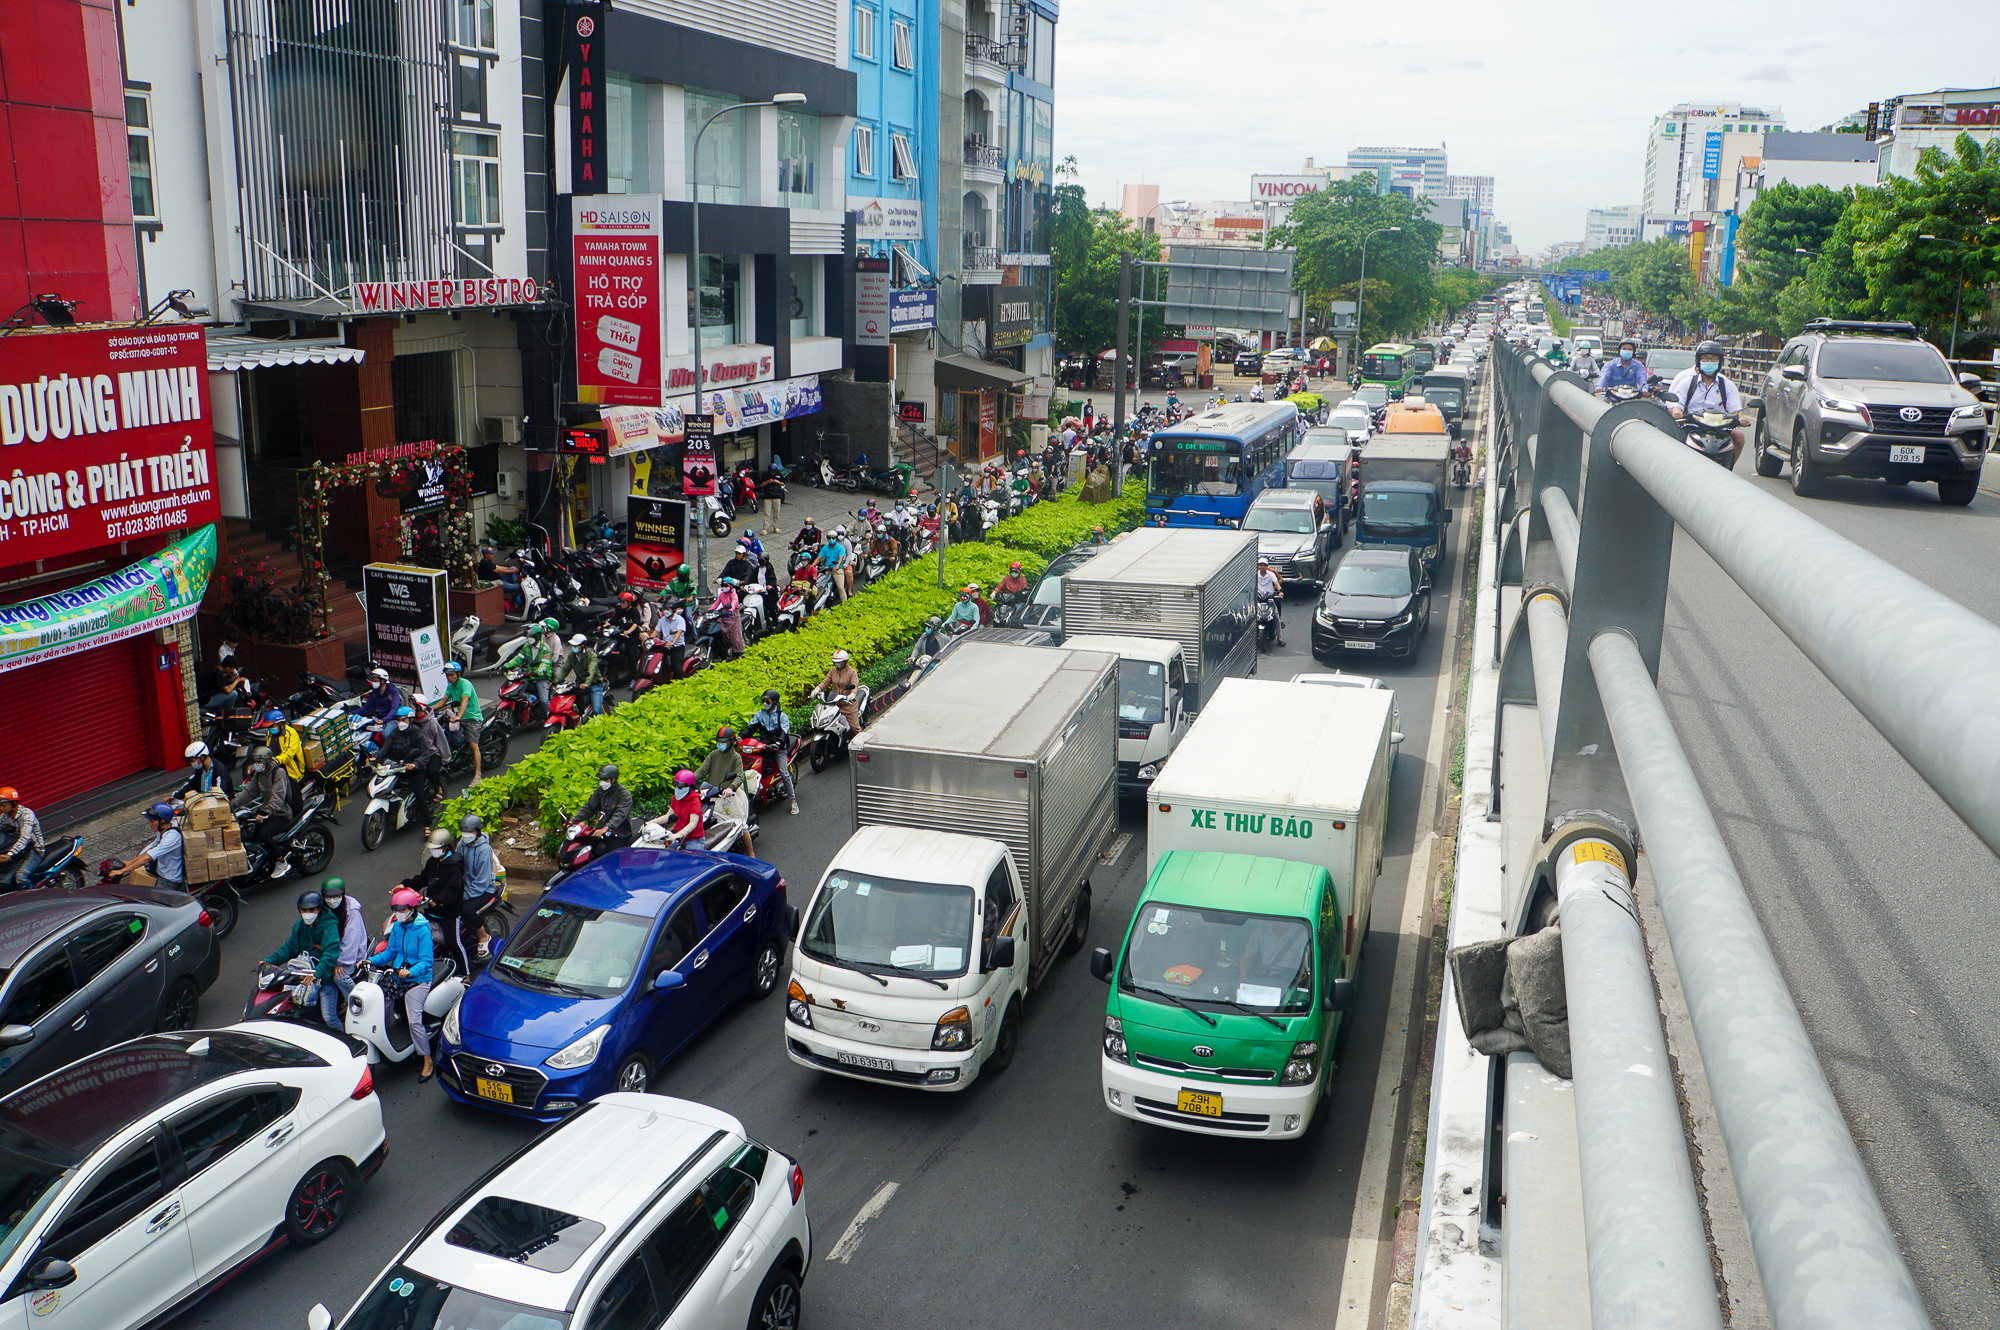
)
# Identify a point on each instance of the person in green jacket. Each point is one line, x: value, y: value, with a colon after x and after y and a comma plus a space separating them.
x: 681, y: 585
x: 541, y: 657
x: 587, y: 672
x: 318, y: 936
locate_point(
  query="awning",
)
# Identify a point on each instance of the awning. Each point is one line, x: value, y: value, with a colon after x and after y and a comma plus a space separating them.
x: 962, y: 371
x: 229, y: 354
x: 163, y: 588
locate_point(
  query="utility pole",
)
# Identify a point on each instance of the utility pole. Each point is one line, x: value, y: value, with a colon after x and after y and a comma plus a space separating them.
x: 1123, y: 350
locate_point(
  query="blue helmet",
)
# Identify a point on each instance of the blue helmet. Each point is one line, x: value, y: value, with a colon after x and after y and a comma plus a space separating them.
x: 404, y: 713
x: 161, y: 812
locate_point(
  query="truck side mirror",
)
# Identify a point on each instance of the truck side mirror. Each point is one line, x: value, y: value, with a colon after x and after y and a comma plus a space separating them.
x: 1797, y: 372
x: 1339, y: 994
x: 1000, y: 953
x: 1100, y: 965
x: 791, y: 921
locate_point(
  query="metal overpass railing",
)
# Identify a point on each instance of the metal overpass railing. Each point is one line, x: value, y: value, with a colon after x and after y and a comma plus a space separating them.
x: 1588, y: 496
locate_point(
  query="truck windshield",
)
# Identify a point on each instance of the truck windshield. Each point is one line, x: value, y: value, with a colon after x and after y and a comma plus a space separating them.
x: 1208, y: 467
x: 575, y: 950
x: 1390, y: 510
x: 1258, y: 961
x: 1142, y: 691
x: 868, y: 923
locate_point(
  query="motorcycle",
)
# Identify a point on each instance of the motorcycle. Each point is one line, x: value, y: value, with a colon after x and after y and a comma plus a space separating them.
x: 718, y: 835
x: 219, y: 899
x: 471, y: 644
x: 494, y: 736
x: 306, y: 843
x: 564, y: 713
x: 762, y: 758
x: 717, y: 512
x: 580, y: 846
x: 794, y: 606
x: 375, y: 1014
x: 285, y: 993
x: 519, y: 704
x: 1009, y: 607
x: 1709, y: 433
x: 1267, y: 622
x: 830, y: 733
x: 652, y: 671
x: 58, y: 866
x: 395, y: 794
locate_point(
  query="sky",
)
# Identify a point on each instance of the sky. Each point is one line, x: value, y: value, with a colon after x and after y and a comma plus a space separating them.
x: 1553, y: 101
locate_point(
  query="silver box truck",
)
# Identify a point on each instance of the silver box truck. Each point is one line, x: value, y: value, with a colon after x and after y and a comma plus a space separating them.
x: 1195, y: 587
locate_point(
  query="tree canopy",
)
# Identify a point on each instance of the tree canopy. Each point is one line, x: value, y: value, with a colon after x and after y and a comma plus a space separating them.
x: 1327, y: 229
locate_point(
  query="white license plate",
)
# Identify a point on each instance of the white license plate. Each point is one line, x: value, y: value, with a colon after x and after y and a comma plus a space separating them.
x: 1906, y: 452
x: 1358, y: 646
x: 856, y: 1060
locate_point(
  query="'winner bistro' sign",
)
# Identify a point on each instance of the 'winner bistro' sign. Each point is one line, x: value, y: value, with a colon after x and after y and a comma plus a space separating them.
x: 472, y: 293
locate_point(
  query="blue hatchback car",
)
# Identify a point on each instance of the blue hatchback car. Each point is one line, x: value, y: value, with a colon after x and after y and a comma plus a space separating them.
x: 611, y: 974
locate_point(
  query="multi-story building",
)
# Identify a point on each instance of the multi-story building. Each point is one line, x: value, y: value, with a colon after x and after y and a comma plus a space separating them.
x: 1412, y: 172
x: 1608, y: 228
x: 1477, y: 191
x: 1451, y: 217
x: 1684, y: 151
x: 1911, y: 123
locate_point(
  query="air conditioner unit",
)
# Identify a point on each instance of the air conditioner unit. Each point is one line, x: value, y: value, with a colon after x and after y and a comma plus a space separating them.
x: 508, y: 485
x: 501, y: 429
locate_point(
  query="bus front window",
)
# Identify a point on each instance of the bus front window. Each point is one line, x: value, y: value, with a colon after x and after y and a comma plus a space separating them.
x: 1382, y: 367
x: 1200, y: 468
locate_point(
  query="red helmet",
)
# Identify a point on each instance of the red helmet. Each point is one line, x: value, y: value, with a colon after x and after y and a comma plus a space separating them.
x: 627, y: 597
x: 1014, y: 567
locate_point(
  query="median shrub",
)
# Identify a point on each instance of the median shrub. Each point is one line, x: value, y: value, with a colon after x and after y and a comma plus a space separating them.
x: 1050, y: 528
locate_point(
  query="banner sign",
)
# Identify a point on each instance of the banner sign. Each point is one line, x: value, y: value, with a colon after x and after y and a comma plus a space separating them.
x: 871, y: 302
x: 655, y: 540
x: 107, y: 437
x: 407, y: 623
x: 912, y: 311
x: 470, y: 293
x: 889, y: 219
x: 697, y: 454
x: 583, y: 58
x: 615, y: 255
x: 1711, y: 155
x: 1179, y: 345
x: 1013, y: 316
x: 161, y: 589
x: 910, y: 413
x: 640, y: 429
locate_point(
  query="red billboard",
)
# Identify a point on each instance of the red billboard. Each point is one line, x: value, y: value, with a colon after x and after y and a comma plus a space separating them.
x: 104, y: 436
x: 615, y: 249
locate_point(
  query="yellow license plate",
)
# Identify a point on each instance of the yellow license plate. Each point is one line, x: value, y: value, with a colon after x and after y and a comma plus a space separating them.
x: 1194, y: 1101
x: 504, y: 1092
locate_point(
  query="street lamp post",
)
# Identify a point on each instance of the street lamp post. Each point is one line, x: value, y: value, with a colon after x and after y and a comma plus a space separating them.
x: 1361, y: 292
x: 694, y: 280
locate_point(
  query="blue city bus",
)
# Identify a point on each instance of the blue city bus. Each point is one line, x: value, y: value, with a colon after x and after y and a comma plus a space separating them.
x: 1206, y: 470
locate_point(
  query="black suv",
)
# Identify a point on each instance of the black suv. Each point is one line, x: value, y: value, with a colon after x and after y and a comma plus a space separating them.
x: 1249, y: 362
x: 1870, y: 399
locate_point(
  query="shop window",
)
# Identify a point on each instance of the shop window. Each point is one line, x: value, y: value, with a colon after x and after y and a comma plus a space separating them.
x: 805, y: 295
x: 139, y: 153
x: 902, y: 162
x: 905, y: 53
x: 864, y: 150
x: 798, y: 159
x: 721, y: 295
x: 720, y: 170
x: 475, y: 169
x: 864, y: 32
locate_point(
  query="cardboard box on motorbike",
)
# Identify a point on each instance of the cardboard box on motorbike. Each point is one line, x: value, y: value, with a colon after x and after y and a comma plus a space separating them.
x: 211, y: 842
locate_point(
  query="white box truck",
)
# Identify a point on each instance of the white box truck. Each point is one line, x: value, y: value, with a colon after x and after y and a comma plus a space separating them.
x: 982, y: 802
x: 1195, y: 587
x: 1154, y: 708
x: 1284, y: 771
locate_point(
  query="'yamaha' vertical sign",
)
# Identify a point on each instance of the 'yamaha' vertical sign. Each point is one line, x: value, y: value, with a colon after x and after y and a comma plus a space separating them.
x: 583, y: 57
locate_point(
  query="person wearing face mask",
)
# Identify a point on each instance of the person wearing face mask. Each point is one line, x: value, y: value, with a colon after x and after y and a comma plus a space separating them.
x: 404, y: 743
x: 440, y: 884
x: 207, y: 776
x: 480, y: 882
x: 1703, y: 387
x: 1627, y: 371
x: 406, y: 953
x: 314, y: 934
x: 683, y: 819
x: 723, y: 768
x: 770, y: 725
x: 437, y: 748
x: 379, y: 703
x: 610, y: 808
x: 346, y: 914
x: 266, y: 798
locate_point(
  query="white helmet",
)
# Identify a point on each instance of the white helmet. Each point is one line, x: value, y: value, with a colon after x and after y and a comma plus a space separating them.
x: 578, y: 640
x: 195, y: 750
x: 840, y: 657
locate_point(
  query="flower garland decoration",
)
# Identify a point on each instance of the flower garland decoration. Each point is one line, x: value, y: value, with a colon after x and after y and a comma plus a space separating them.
x: 451, y: 534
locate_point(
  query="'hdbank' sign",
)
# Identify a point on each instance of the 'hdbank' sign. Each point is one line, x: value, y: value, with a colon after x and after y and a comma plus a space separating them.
x: 1285, y: 186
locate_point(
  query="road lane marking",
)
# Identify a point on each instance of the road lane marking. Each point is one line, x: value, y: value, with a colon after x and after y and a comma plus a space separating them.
x: 1117, y: 847
x: 850, y: 1239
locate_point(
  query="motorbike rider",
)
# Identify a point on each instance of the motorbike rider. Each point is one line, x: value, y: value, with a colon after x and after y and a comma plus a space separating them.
x: 20, y: 838
x: 406, y: 953
x: 671, y: 633
x: 728, y: 607
x: 964, y: 612
x: 833, y: 561
x: 1270, y: 586
x: 1014, y: 586
x: 1584, y: 364
x: 1097, y: 537
x: 683, y: 819
x: 481, y: 885
x: 315, y: 935
x: 681, y: 585
x: 808, y: 536
x: 609, y: 809
x: 741, y: 566
x: 440, y: 884
x: 930, y: 641
x: 587, y: 672
x: 379, y: 703
x: 437, y: 748
x: 353, y: 929
x: 208, y: 775
x: 266, y: 797
x: 723, y: 768
x: 460, y: 704
x: 163, y: 852
x: 1627, y: 371
x: 405, y: 746
x: 772, y: 727
x: 985, y: 605
x: 544, y: 659
x: 842, y: 684
x: 490, y: 569
x: 1703, y: 387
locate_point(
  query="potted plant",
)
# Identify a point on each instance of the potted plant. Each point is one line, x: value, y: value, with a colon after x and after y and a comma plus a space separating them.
x: 274, y: 625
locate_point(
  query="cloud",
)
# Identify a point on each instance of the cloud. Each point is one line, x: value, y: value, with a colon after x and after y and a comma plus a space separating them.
x: 1769, y: 74
x: 1466, y: 64
x: 1416, y: 69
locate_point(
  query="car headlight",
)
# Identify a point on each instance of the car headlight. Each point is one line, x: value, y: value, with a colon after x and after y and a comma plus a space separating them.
x: 1303, y: 1065
x: 954, y: 1031
x: 1973, y: 412
x: 1842, y: 404
x: 1320, y: 615
x: 1114, y: 1038
x: 1150, y: 770
x: 798, y: 1006
x: 1430, y: 551
x: 1403, y: 620
x: 581, y: 1053
x: 451, y: 1024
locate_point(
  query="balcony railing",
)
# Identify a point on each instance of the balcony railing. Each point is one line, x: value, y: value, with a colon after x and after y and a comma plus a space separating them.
x: 981, y: 258
x: 979, y: 153
x: 985, y: 48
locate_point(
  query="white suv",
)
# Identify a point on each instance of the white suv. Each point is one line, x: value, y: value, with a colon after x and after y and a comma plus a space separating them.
x: 638, y: 1210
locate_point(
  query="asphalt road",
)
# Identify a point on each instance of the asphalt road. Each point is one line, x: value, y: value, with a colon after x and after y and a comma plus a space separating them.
x: 1876, y: 898
x: 1020, y: 1201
